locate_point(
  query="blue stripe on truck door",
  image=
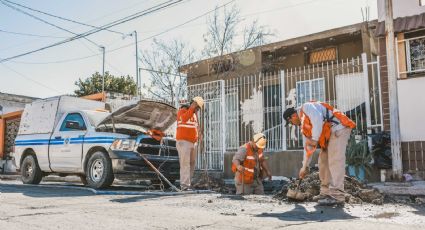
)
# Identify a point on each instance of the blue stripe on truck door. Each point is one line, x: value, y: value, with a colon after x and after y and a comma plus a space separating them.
x: 88, y: 140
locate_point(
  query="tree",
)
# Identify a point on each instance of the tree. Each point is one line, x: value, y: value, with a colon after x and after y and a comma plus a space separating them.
x: 255, y: 35
x: 93, y: 84
x: 163, y: 62
x: 222, y: 33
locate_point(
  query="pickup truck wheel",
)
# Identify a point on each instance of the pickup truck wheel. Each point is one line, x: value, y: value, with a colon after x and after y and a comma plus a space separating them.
x: 30, y: 171
x: 99, y: 171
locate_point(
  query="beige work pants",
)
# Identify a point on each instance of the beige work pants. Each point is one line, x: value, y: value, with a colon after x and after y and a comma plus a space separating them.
x: 245, y: 189
x: 332, y: 165
x: 187, y: 159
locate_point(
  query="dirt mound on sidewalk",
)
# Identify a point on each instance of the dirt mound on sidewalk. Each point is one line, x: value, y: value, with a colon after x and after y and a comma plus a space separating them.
x: 356, y: 192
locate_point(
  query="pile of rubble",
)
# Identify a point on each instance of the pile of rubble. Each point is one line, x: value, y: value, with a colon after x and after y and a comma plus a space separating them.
x: 202, y: 181
x: 356, y: 192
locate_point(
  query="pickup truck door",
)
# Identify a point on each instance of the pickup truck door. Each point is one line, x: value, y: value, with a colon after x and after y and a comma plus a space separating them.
x: 66, y: 144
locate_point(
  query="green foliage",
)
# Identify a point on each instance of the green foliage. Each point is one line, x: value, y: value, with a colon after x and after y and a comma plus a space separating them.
x: 358, y: 154
x: 93, y: 84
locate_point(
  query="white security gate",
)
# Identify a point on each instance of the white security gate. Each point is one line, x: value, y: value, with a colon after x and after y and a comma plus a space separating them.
x: 239, y: 107
x: 352, y: 86
x: 210, y: 151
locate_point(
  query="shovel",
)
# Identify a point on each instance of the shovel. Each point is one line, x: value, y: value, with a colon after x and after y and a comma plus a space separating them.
x: 296, y: 193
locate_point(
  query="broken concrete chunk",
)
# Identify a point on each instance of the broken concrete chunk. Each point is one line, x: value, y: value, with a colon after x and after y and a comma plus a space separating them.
x: 357, y: 192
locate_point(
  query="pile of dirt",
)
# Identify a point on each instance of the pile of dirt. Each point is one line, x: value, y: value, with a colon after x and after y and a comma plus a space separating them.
x: 210, y: 182
x: 356, y: 192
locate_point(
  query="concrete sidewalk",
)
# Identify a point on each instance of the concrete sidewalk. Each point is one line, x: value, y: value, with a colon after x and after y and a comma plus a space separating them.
x: 413, y: 188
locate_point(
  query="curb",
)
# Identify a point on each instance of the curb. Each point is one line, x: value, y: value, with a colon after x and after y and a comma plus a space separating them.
x: 111, y: 192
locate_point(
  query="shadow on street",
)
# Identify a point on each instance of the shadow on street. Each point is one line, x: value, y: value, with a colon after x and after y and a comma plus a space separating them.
x: 321, y: 214
x: 41, y: 191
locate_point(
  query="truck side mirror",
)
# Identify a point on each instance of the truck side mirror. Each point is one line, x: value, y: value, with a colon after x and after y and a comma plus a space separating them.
x: 73, y: 125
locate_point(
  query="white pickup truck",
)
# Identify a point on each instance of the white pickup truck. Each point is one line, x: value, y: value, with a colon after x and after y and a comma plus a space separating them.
x: 73, y: 136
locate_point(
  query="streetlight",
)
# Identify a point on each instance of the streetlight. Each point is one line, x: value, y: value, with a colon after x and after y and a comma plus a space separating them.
x: 137, y: 65
x: 137, y: 60
x: 102, y: 48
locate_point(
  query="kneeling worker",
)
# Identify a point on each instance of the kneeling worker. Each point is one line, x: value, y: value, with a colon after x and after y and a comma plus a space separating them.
x: 249, y: 164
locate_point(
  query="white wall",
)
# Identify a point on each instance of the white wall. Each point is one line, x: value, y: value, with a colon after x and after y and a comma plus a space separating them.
x: 411, y: 99
x: 401, y: 8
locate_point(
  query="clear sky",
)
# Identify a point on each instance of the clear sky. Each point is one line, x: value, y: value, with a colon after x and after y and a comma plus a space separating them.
x: 36, y: 75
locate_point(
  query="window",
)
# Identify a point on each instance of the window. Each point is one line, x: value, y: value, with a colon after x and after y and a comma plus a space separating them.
x: 323, y: 55
x: 310, y: 90
x: 416, y: 54
x: 421, y: 2
x: 75, y: 117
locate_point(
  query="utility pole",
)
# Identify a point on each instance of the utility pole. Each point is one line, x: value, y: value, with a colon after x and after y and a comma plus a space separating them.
x: 392, y: 91
x: 137, y: 64
x: 103, y: 69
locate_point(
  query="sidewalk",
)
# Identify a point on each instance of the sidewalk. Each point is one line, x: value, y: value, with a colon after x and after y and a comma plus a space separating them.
x: 414, y: 188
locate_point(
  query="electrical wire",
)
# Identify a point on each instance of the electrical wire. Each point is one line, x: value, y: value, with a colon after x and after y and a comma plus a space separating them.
x: 30, y: 35
x: 174, y: 27
x: 92, y: 20
x: 29, y: 79
x: 130, y: 44
x: 59, y: 17
x: 44, y: 21
x: 109, y: 25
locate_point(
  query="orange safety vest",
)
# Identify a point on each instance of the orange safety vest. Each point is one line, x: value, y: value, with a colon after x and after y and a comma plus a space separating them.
x: 247, y: 177
x: 188, y: 130
x: 306, y: 126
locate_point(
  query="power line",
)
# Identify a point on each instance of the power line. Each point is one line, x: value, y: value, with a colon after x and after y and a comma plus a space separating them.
x: 36, y: 82
x: 44, y: 21
x: 172, y: 28
x: 59, y: 17
x: 169, y: 29
x: 30, y: 35
x: 64, y: 60
x: 109, y: 25
x: 92, y: 20
x: 56, y: 62
x: 130, y: 44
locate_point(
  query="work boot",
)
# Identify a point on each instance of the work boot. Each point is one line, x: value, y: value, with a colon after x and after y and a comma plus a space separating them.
x: 330, y: 201
x: 186, y: 189
x: 318, y: 197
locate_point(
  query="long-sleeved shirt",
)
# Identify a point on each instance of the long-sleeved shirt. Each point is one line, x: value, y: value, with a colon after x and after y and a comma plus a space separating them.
x: 187, y: 125
x: 317, y: 114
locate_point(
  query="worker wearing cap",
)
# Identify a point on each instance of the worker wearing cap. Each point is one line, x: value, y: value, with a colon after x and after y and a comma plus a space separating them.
x: 249, y: 165
x: 328, y: 128
x: 187, y: 136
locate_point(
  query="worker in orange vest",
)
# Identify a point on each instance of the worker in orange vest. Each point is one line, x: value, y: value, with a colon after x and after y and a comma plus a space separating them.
x: 249, y: 166
x: 328, y: 128
x: 187, y: 136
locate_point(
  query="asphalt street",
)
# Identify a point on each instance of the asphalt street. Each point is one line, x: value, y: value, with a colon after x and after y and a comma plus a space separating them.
x: 60, y: 205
